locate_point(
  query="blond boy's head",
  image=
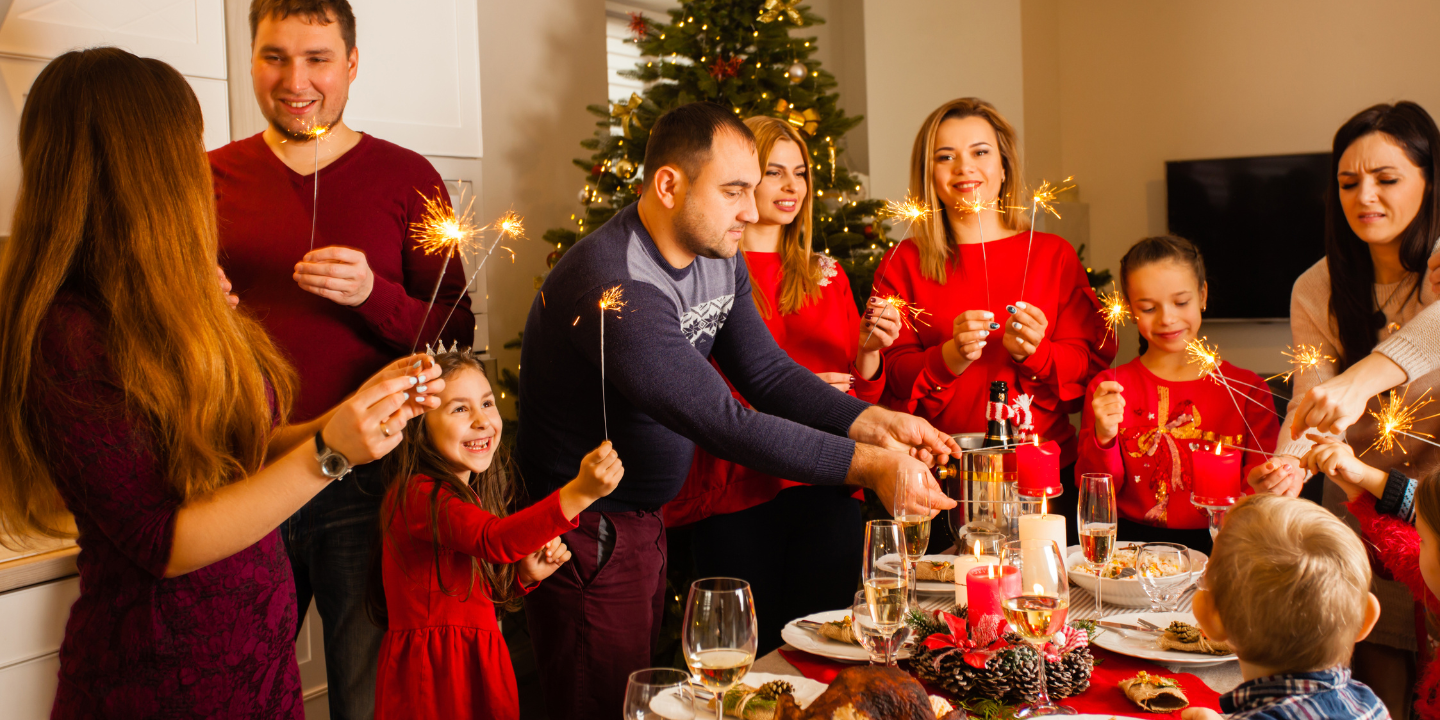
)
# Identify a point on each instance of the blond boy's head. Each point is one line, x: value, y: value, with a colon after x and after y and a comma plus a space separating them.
x: 1289, y: 584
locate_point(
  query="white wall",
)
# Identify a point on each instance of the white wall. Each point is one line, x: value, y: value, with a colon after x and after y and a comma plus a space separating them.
x: 1139, y: 83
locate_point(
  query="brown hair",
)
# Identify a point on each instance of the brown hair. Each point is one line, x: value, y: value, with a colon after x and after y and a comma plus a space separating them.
x: 799, y: 265
x: 319, y: 12
x: 684, y: 136
x: 493, y: 490
x: 116, y: 206
x: 933, y: 236
x: 1290, y: 581
x: 1160, y: 248
x: 1427, y: 500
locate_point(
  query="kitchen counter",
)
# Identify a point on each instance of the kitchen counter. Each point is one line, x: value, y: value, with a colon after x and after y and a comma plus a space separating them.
x: 43, y: 561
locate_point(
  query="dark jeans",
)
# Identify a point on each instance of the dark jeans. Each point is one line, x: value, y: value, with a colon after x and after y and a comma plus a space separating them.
x: 596, y: 620
x: 801, y: 553
x: 329, y: 542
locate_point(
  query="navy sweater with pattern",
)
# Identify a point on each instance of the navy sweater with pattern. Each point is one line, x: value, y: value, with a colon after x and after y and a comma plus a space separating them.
x: 662, y: 395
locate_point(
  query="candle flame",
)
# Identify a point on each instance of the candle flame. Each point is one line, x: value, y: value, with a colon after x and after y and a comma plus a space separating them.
x: 990, y: 571
x: 1046, y: 194
x: 976, y: 550
x: 1396, y: 418
x: 1039, y: 589
x: 1043, y: 500
x: 1302, y: 358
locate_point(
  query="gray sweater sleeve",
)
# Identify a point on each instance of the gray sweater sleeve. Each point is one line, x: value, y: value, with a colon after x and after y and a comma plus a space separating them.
x: 649, y: 360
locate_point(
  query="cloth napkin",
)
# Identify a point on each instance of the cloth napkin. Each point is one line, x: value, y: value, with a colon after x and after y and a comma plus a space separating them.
x: 1104, y: 696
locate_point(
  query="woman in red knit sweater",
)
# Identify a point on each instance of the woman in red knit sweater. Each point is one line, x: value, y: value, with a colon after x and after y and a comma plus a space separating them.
x: 1147, y: 418
x: 1004, y: 303
x: 797, y: 545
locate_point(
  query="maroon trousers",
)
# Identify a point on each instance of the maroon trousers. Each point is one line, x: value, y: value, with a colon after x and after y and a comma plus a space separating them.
x: 593, y: 623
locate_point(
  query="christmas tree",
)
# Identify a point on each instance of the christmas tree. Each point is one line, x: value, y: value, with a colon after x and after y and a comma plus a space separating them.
x: 740, y: 54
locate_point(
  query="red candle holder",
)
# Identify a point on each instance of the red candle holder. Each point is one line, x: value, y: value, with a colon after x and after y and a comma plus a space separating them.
x: 1039, y: 470
x: 1218, y: 481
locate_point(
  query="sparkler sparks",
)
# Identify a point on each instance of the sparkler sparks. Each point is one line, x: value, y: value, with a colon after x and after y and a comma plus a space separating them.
x: 315, y: 133
x: 1305, y: 357
x: 1396, y: 418
x: 909, y: 312
x: 1042, y: 199
x: 1115, y: 311
x: 911, y: 210
x: 439, y: 229
x: 509, y: 225
x: 977, y: 206
x: 1206, y: 356
x: 612, y: 299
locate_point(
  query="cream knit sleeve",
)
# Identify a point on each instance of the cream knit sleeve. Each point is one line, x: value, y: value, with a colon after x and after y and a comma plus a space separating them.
x: 1309, y: 325
x: 1415, y: 347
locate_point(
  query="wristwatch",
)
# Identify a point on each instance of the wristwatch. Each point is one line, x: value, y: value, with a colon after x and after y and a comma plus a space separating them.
x: 333, y: 465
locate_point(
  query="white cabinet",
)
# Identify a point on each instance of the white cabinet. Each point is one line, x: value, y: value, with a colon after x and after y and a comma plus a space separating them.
x: 29, y: 642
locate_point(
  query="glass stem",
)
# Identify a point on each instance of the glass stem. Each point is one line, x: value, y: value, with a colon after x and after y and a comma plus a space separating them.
x: 1043, y: 699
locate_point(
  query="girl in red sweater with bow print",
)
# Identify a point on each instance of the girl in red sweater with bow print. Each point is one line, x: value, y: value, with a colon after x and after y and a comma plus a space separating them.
x: 1004, y: 303
x: 451, y: 553
x: 1147, y: 419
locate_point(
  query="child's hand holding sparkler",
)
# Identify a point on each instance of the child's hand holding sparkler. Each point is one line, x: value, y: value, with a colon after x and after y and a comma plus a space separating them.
x: 1024, y: 330
x: 336, y: 273
x: 1336, y: 459
x: 1280, y: 475
x: 1108, y: 407
x: 542, y: 563
x: 600, y: 473
x: 969, y: 334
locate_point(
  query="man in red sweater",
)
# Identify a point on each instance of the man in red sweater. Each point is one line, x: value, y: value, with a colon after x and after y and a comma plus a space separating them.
x: 340, y: 309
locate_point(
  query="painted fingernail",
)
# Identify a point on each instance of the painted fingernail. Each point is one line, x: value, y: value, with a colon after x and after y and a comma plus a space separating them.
x: 1011, y: 309
x: 405, y: 396
x: 994, y: 326
x: 868, y: 313
x: 416, y: 365
x: 989, y: 315
x: 1021, y: 305
x: 1017, y: 326
x: 420, y: 377
x: 982, y: 343
x: 420, y: 389
x: 414, y: 380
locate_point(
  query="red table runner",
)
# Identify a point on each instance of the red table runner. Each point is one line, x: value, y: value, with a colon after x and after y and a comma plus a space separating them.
x: 1103, y: 697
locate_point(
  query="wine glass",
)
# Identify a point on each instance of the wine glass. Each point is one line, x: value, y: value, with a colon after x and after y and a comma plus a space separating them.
x: 1038, y: 613
x: 883, y: 650
x: 1097, y: 522
x: 1164, y: 570
x: 914, y: 526
x: 719, y: 636
x: 885, y: 574
x: 659, y: 693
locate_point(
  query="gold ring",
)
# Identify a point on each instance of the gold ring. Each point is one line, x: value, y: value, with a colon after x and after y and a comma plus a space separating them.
x: 385, y: 427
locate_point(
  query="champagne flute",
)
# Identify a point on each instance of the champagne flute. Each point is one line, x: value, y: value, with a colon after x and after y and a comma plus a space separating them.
x: 914, y: 526
x: 868, y: 635
x: 885, y: 575
x: 1097, y: 522
x: 1165, y: 575
x: 1038, y: 614
x: 659, y: 693
x: 720, y: 635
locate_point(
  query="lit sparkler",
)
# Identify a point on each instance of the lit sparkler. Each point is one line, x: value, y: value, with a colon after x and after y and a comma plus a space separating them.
x: 611, y: 299
x: 1042, y: 199
x: 1206, y: 356
x: 315, y: 133
x: 1115, y: 311
x: 509, y: 225
x: 1396, y: 418
x: 909, y: 312
x: 441, y: 229
x: 1305, y: 357
x: 975, y: 207
x: 911, y: 210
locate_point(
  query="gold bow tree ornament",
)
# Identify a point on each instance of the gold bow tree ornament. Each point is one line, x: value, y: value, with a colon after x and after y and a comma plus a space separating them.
x: 807, y: 120
x: 774, y: 9
x: 625, y: 113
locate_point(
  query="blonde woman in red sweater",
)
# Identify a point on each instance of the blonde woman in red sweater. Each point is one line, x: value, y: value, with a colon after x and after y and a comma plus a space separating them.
x: 1005, y: 303
x: 754, y: 526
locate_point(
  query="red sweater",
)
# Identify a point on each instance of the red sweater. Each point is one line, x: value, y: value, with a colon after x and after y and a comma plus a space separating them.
x: 1168, y: 421
x: 1073, y: 350
x: 1397, y: 545
x: 368, y: 200
x: 822, y: 336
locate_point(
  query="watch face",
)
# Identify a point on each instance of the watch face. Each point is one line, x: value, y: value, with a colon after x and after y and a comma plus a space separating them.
x: 333, y: 466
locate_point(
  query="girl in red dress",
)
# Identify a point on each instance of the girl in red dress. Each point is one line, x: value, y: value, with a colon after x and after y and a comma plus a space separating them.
x: 451, y: 553
x: 1147, y: 418
x: 797, y: 545
x: 1005, y: 303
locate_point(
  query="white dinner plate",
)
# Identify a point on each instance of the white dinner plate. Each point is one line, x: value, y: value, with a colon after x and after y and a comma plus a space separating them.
x: 811, y: 642
x: 933, y: 587
x: 1144, y: 645
x: 671, y: 705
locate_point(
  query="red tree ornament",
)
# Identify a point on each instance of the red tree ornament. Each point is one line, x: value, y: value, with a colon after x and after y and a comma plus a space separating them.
x: 639, y: 26
x: 721, y: 69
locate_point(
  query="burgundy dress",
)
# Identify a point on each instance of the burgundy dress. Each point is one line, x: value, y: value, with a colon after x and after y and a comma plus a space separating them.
x: 214, y: 643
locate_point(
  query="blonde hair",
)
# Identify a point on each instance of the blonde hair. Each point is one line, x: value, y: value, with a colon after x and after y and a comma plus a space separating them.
x: 799, y: 265
x: 933, y: 237
x: 1290, y: 581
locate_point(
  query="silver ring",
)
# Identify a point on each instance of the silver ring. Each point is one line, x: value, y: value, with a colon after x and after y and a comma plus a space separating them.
x: 385, y: 427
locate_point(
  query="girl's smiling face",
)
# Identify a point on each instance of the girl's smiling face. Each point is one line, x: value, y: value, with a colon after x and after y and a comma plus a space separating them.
x: 465, y: 429
x: 1165, y: 297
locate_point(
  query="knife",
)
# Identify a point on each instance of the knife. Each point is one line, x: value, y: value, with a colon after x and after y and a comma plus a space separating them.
x: 1123, y: 626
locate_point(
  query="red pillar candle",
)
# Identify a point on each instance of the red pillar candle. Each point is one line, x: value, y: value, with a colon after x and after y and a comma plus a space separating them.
x: 1039, y: 469
x: 987, y: 588
x: 1218, y: 479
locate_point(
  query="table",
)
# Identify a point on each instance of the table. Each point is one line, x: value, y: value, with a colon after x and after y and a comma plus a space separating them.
x: 1221, y: 678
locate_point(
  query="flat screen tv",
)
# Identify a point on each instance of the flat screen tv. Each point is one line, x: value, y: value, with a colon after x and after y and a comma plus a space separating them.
x: 1259, y: 221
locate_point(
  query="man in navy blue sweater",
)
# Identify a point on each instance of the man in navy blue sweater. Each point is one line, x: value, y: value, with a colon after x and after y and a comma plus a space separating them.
x: 673, y: 254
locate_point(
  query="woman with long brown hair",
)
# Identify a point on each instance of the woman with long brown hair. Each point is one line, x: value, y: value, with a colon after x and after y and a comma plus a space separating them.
x: 137, y: 401
x: 1008, y: 305
x: 751, y: 525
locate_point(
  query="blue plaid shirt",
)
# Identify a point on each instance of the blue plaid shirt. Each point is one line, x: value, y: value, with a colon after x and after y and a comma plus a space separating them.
x: 1319, y: 695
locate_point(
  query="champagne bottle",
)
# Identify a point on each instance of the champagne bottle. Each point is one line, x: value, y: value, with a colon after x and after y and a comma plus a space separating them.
x: 997, y: 433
